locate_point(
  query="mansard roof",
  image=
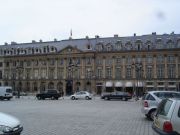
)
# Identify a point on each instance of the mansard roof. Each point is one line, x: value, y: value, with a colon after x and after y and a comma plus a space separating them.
x: 81, y: 44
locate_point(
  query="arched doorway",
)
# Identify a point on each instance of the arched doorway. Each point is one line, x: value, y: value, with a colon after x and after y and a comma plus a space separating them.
x: 27, y: 86
x: 42, y: 86
x: 6, y: 84
x: 69, y: 87
x: 20, y: 86
x: 51, y: 85
x: 60, y: 87
x: 88, y: 86
x: 35, y: 87
x: 78, y: 84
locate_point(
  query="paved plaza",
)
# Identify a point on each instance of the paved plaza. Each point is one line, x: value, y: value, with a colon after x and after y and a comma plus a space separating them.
x: 79, y: 117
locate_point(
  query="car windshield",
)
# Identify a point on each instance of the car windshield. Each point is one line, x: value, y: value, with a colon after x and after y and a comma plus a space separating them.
x: 9, y: 90
x: 164, y: 107
x: 163, y: 95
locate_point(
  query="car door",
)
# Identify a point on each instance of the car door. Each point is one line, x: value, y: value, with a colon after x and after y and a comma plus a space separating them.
x: 176, y: 118
x: 78, y: 95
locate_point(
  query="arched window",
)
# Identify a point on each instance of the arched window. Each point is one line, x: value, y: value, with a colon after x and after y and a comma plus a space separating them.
x: 148, y: 45
x: 51, y: 85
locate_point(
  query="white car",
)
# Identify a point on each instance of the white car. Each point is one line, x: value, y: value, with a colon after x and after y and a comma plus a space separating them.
x: 81, y: 95
x: 9, y: 125
x: 151, y: 100
x: 167, y: 118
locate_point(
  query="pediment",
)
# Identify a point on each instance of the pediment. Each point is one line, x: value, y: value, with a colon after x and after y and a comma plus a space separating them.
x: 70, y: 49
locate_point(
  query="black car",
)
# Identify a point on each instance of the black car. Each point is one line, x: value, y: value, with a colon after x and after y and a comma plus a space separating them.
x: 52, y: 94
x: 116, y: 95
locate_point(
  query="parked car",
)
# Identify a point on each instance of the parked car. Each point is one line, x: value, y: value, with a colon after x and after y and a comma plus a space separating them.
x: 50, y: 93
x: 5, y: 92
x: 167, y: 119
x: 151, y: 100
x: 116, y: 95
x: 9, y: 125
x: 81, y: 95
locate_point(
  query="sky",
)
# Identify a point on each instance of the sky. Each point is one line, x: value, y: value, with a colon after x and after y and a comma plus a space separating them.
x: 22, y: 21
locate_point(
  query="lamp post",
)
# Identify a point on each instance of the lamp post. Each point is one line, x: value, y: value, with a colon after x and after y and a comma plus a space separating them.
x: 18, y: 70
x: 138, y: 70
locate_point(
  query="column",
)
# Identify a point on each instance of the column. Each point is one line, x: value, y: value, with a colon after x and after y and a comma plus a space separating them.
x: 176, y: 56
x: 56, y: 66
x: 123, y: 67
x: 144, y: 68
x: 65, y: 69
x: 165, y: 69
x: 113, y: 68
x: 104, y: 67
x: 154, y: 65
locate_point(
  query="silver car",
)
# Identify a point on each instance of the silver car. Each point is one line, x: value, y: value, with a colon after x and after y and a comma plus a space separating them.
x: 81, y: 95
x: 167, y: 119
x: 151, y: 100
x: 9, y: 125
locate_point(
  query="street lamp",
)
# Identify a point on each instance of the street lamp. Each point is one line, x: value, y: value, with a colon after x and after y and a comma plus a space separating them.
x: 18, y: 69
x: 139, y: 71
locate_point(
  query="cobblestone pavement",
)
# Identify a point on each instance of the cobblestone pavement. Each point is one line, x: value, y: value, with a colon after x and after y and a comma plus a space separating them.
x: 79, y: 117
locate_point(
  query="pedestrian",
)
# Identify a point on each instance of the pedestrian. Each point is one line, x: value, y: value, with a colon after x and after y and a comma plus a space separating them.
x: 62, y: 94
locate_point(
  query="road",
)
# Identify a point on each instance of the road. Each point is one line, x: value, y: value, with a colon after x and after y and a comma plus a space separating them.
x: 79, y: 117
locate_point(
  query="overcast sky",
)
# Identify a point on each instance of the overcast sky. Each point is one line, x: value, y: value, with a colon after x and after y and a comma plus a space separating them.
x: 25, y: 20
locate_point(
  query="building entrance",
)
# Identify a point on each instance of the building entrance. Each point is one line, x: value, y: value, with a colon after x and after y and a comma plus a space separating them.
x: 69, y: 87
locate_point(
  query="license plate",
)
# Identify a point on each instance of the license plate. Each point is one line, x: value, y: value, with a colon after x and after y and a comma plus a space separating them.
x: 156, y: 123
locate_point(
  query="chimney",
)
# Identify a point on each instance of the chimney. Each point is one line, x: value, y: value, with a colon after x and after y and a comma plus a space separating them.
x: 33, y: 41
x: 172, y: 33
x: 87, y: 37
x: 40, y: 41
x: 116, y: 35
x: 96, y: 36
x: 5, y: 43
x: 154, y: 33
x: 134, y: 34
x: 55, y: 39
x: 13, y: 43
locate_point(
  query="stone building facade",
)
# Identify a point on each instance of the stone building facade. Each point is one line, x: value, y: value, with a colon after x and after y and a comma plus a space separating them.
x: 134, y: 64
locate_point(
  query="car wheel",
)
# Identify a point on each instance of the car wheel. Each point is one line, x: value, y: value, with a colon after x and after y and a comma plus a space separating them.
x: 124, y: 99
x: 87, y: 98
x: 151, y: 114
x: 106, y: 98
x: 73, y: 98
x: 39, y: 98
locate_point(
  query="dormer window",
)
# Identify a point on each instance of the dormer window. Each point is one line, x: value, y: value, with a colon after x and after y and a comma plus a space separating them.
x: 88, y: 47
x: 99, y: 47
x: 138, y: 45
x: 118, y: 45
x: 108, y: 47
x: 170, y: 44
x: 128, y: 46
x: 159, y: 44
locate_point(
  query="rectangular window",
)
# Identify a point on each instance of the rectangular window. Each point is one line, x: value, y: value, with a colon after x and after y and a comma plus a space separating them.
x: 118, y: 61
x: 60, y: 73
x: 108, y: 61
x: 1, y: 64
x: 99, y: 73
x: 170, y: 58
x: 28, y: 63
x: 108, y: 72
x: 52, y: 62
x: 160, y: 59
x: 149, y: 59
x: 61, y: 61
x: 160, y: 71
x: 149, y: 72
x: 171, y: 71
x: 99, y: 61
x: 128, y: 72
x: 118, y: 73
x: 88, y: 61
